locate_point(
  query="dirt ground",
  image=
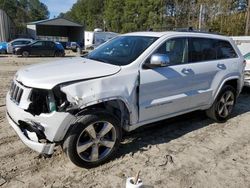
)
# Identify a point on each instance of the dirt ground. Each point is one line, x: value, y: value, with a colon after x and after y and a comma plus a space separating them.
x: 188, y: 151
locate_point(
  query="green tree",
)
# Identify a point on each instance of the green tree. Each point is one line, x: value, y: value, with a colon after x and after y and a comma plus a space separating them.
x: 87, y: 12
x: 138, y: 15
x: 23, y: 11
x: 38, y: 10
x: 113, y: 15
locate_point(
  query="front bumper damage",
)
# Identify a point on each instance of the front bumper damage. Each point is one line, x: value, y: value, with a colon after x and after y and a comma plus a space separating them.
x: 43, y: 148
x: 41, y: 132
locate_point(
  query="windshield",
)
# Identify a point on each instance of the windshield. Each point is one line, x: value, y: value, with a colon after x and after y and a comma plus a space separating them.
x: 121, y: 50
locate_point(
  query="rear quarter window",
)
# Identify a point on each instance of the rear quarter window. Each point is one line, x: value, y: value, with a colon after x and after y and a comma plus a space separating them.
x: 225, y: 50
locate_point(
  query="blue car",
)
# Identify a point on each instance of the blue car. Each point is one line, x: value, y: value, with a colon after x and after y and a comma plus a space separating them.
x: 3, y: 47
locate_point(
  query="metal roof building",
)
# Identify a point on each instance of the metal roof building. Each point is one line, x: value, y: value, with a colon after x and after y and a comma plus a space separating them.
x: 57, y: 29
x: 5, y: 27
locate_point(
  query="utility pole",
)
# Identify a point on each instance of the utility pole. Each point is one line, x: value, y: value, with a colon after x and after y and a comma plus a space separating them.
x: 248, y: 19
x: 201, y: 17
x: 162, y: 15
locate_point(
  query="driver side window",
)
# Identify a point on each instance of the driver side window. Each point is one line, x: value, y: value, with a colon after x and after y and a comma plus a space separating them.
x: 176, y: 49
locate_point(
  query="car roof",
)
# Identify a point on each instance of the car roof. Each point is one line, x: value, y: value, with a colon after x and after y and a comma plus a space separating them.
x: 44, y: 41
x: 180, y: 33
x: 21, y: 39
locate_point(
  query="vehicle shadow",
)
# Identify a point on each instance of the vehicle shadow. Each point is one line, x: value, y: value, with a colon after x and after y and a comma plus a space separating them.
x: 173, y: 128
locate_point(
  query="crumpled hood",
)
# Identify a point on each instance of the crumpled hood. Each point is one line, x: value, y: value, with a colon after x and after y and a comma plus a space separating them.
x: 48, y: 75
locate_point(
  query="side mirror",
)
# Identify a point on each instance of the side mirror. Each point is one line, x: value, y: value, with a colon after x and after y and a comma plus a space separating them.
x: 158, y: 60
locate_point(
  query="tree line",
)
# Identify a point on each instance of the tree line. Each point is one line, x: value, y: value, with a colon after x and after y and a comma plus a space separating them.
x: 23, y: 11
x: 222, y: 16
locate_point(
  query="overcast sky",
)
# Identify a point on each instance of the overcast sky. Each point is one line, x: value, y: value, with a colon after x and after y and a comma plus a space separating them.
x: 57, y: 6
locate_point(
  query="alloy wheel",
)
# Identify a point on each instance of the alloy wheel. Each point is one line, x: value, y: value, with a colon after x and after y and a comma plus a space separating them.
x: 225, y: 104
x: 96, y: 141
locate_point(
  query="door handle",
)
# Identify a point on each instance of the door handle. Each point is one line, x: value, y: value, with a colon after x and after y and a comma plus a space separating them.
x: 221, y: 66
x: 186, y: 71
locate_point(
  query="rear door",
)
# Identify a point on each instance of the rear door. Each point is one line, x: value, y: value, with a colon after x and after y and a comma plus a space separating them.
x: 50, y: 48
x: 210, y: 60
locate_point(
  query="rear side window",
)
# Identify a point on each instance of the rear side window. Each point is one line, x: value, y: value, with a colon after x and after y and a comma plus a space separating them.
x: 50, y: 44
x: 17, y: 43
x: 224, y: 50
x: 20, y: 42
x: 203, y: 49
x: 26, y: 42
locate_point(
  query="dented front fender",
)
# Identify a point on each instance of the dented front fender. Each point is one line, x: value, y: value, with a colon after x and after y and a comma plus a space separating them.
x: 122, y: 86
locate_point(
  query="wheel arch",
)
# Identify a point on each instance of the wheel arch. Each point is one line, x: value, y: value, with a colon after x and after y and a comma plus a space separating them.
x: 115, y: 106
x: 232, y: 81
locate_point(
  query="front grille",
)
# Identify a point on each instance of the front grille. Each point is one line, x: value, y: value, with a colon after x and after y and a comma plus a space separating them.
x: 15, y: 93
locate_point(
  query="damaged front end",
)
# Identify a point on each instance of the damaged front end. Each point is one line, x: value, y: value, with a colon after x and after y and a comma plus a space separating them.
x: 38, y: 116
x: 47, y: 101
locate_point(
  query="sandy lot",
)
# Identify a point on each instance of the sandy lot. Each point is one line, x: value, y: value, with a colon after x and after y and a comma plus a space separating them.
x: 203, y: 153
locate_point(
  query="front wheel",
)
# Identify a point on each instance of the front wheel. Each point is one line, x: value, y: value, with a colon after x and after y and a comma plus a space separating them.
x: 93, y: 140
x: 223, y: 105
x: 25, y: 54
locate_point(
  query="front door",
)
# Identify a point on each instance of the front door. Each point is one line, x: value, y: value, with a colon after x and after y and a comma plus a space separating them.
x: 180, y: 87
x: 38, y: 48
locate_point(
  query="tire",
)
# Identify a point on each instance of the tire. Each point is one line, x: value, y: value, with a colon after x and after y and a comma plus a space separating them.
x: 57, y: 54
x: 3, y: 52
x: 222, y: 107
x: 93, y: 139
x: 25, y: 54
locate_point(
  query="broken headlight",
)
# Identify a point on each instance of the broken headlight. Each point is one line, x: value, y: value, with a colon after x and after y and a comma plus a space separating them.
x: 42, y: 101
x: 47, y: 101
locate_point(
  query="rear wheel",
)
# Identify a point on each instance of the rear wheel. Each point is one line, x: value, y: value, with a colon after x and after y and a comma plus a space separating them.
x: 3, y: 52
x: 57, y: 54
x: 25, y: 54
x: 223, y: 105
x: 93, y: 140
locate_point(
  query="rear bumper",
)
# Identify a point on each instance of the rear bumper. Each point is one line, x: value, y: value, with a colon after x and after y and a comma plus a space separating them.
x: 39, y: 147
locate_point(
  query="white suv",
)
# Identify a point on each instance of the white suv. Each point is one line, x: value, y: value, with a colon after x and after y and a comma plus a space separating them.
x: 85, y: 103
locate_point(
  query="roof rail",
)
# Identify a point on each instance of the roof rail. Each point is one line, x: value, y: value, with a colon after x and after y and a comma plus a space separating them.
x: 190, y: 29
